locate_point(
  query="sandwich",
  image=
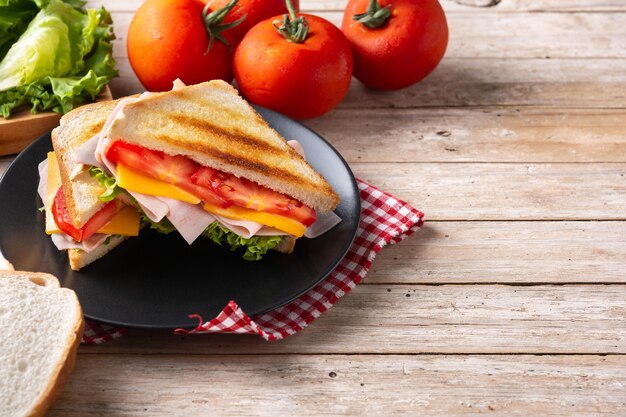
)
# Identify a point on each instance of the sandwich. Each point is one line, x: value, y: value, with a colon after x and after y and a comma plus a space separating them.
x: 82, y: 215
x: 201, y: 161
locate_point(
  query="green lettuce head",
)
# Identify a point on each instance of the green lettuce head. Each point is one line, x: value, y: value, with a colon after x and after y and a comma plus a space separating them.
x: 62, y: 58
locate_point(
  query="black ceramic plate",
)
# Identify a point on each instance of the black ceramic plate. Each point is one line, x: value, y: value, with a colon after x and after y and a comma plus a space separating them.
x: 156, y: 281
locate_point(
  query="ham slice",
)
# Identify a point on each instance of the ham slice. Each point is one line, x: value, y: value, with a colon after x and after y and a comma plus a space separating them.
x: 63, y: 241
x: 323, y: 224
x: 43, y: 180
x: 190, y: 220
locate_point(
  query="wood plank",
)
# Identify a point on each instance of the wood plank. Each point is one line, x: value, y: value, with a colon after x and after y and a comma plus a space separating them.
x: 563, y: 83
x: 503, y: 35
x: 450, y: 6
x: 495, y: 81
x: 344, y: 385
x: 496, y: 6
x: 461, y: 191
x: 476, y: 134
x: 532, y: 5
x: 412, y: 319
x: 506, y: 252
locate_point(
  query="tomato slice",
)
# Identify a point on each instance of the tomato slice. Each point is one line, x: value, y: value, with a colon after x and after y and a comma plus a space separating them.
x: 154, y: 163
x: 245, y: 193
x: 213, y: 187
x: 63, y: 220
x: 177, y: 170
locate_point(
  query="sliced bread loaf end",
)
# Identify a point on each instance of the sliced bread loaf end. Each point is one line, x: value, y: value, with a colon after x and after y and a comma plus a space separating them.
x: 41, y: 325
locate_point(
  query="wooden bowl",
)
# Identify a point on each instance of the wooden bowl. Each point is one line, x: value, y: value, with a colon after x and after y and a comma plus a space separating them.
x: 23, y: 127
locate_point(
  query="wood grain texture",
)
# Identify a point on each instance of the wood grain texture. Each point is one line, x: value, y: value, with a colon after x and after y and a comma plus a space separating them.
x: 476, y: 134
x: 450, y: 6
x: 463, y: 191
x: 562, y: 83
x: 344, y: 385
x: 506, y: 252
x: 548, y: 5
x: 412, y: 319
x: 503, y: 35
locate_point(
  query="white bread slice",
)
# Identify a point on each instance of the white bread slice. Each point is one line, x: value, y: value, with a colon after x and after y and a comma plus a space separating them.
x: 211, y: 124
x: 41, y: 326
x: 77, y: 127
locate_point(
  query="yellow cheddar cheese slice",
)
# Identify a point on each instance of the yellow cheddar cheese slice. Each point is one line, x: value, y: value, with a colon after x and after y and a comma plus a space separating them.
x: 54, y: 182
x: 133, y: 181
x: 276, y: 221
x: 125, y: 222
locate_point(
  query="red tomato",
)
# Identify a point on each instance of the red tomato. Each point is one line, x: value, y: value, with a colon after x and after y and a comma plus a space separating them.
x: 301, y: 80
x: 402, y: 51
x: 62, y: 218
x: 167, y: 39
x: 211, y: 186
x: 254, y: 10
x: 177, y: 170
x: 153, y: 163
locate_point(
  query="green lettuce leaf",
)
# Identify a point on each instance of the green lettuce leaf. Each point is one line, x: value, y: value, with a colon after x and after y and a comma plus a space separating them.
x: 256, y: 246
x: 164, y: 226
x: 106, y: 181
x: 14, y: 18
x: 60, y: 60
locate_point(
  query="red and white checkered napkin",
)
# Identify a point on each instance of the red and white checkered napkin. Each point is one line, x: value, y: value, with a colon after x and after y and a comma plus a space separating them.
x: 384, y: 220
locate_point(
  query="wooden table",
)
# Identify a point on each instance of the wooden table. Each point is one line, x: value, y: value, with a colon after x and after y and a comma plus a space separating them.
x: 512, y: 298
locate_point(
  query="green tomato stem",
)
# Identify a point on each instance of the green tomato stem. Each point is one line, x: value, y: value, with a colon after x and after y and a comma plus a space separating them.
x: 213, y: 23
x: 293, y: 28
x: 375, y: 16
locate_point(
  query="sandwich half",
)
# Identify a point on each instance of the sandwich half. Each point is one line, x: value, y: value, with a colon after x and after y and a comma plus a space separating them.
x: 200, y: 160
x: 82, y: 215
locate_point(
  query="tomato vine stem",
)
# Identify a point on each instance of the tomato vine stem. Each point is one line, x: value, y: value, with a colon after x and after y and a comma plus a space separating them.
x: 375, y: 16
x: 213, y: 23
x: 293, y: 28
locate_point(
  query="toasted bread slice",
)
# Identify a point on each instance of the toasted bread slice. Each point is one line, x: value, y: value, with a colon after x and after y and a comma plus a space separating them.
x: 77, y: 127
x: 41, y: 326
x: 211, y: 124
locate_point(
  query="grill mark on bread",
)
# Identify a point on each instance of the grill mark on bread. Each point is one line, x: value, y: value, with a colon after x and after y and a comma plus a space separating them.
x: 240, y: 138
x: 256, y: 166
